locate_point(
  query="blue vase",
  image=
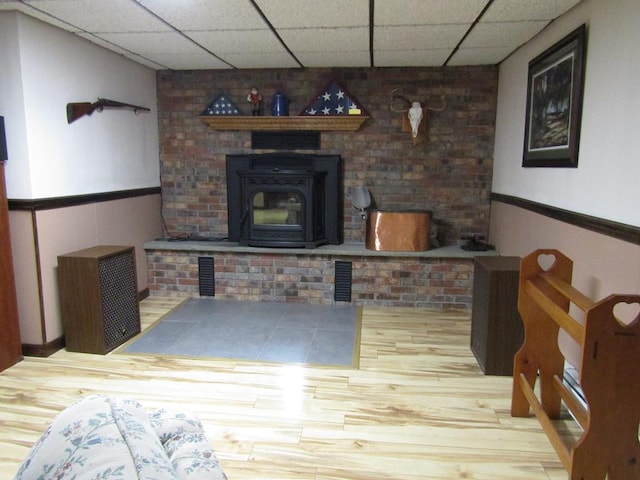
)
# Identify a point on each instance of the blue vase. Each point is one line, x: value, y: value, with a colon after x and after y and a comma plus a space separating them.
x: 279, y: 105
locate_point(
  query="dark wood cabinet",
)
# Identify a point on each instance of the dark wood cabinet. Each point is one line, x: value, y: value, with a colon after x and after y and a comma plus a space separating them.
x: 98, y: 298
x: 10, y: 346
x: 496, y: 327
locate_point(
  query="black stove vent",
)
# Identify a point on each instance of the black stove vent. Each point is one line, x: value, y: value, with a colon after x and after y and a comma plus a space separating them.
x: 285, y: 140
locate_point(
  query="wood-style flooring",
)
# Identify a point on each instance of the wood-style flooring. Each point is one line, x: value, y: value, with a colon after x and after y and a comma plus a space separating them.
x: 418, y: 407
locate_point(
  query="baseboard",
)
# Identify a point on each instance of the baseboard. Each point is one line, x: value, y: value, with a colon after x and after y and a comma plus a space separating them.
x: 142, y: 294
x: 49, y: 348
x: 45, y: 350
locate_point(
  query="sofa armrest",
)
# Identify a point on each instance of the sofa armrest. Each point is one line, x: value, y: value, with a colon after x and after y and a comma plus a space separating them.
x: 98, y: 437
x: 186, y: 445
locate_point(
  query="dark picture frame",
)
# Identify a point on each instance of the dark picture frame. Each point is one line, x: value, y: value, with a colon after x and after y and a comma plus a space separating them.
x: 555, y: 89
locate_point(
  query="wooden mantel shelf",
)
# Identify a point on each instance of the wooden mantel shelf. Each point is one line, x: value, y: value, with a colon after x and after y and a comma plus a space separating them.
x: 326, y: 123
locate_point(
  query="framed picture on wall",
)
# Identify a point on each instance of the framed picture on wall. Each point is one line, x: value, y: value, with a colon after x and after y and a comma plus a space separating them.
x: 554, y: 104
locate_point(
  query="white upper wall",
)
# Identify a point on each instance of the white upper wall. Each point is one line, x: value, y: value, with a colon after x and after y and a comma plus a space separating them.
x: 11, y: 100
x: 605, y: 184
x: 108, y: 151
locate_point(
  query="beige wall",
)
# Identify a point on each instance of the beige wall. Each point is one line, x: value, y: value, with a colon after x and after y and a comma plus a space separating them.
x: 26, y: 275
x: 602, y: 265
x: 38, y: 238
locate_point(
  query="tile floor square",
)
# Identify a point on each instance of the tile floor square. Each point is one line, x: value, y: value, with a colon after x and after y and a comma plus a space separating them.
x: 263, y: 331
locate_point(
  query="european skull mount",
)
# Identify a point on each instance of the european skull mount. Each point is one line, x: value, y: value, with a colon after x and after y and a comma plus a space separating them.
x: 414, y: 114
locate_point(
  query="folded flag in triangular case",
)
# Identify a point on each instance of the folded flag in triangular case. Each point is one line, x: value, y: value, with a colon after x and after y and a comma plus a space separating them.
x: 222, y: 105
x: 334, y: 100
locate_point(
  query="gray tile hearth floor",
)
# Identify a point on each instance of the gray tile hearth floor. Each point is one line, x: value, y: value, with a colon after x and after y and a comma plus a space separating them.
x: 270, y: 332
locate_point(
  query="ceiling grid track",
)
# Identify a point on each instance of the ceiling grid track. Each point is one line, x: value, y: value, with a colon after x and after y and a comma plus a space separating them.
x: 248, y: 34
x: 184, y: 35
x: 471, y: 27
x: 372, y: 5
x: 275, y: 32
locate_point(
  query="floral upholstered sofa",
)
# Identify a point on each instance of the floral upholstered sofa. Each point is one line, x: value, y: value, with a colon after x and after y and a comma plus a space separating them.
x: 102, y: 437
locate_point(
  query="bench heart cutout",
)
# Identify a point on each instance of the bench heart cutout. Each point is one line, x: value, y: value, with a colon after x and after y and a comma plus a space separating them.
x: 626, y: 313
x: 546, y: 261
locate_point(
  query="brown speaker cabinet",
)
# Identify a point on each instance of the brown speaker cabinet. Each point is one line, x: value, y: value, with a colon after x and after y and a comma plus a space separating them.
x: 98, y: 298
x: 497, y: 331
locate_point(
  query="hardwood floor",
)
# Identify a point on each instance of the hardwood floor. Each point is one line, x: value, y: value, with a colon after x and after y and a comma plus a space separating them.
x: 418, y: 407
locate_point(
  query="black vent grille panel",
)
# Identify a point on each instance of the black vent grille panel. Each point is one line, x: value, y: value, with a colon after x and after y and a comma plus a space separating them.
x: 298, y: 140
x: 206, y: 276
x: 343, y: 278
x: 301, y: 140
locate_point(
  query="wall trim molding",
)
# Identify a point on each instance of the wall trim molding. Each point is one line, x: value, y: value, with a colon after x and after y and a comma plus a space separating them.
x: 49, y: 348
x: 44, y: 350
x: 620, y: 231
x: 75, y: 200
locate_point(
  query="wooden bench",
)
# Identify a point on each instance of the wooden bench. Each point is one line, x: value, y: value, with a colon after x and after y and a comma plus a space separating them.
x: 609, y: 370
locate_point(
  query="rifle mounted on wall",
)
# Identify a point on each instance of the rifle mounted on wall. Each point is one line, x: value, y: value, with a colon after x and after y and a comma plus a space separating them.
x: 80, y: 109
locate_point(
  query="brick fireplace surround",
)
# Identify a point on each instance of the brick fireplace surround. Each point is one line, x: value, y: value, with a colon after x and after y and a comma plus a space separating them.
x: 449, y: 174
x: 440, y: 278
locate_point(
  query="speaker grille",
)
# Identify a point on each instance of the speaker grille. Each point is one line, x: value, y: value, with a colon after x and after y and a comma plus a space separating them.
x: 342, y: 292
x: 206, y: 276
x: 120, y: 312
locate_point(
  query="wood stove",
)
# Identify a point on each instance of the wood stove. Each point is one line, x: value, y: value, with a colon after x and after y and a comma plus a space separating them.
x: 284, y: 199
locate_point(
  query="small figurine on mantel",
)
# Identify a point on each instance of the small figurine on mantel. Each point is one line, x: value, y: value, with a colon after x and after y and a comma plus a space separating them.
x: 255, y: 99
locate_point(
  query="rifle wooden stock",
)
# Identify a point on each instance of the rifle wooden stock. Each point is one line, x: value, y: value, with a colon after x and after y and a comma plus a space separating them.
x: 80, y: 109
x: 77, y: 110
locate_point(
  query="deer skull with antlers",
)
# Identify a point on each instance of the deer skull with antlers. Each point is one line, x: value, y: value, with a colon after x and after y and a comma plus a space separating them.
x: 414, y: 114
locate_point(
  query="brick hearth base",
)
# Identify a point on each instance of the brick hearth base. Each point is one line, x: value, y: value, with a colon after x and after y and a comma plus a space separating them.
x: 440, y: 278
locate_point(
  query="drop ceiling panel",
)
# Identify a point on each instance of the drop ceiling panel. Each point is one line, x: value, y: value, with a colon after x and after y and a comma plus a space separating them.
x: 101, y: 16
x: 261, y: 60
x: 193, y: 61
x: 335, y: 59
x: 503, y: 33
x: 411, y: 58
x: 314, y: 13
x: 190, y: 15
x: 325, y: 39
x: 427, y: 12
x: 318, y: 32
x: 11, y: 5
x: 156, y: 65
x: 121, y: 51
x: 418, y: 37
x: 519, y: 10
x: 153, y: 43
x: 221, y: 42
x: 478, y: 56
